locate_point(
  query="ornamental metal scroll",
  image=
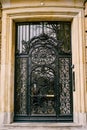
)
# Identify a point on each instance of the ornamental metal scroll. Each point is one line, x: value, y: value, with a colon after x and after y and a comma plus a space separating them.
x: 42, y: 75
x: 43, y: 39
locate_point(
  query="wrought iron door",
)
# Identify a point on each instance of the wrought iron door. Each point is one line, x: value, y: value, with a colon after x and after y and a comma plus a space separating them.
x: 43, y: 73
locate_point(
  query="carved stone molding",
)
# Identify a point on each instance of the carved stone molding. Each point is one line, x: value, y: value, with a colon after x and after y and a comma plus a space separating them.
x: 5, y: 3
x: 21, y: 3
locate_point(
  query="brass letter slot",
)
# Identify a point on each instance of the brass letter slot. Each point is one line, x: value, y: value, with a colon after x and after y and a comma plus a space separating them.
x: 49, y: 95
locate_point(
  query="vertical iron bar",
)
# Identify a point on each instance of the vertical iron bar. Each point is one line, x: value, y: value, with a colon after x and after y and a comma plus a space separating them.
x: 29, y: 30
x: 18, y: 38
x: 42, y: 27
x: 71, y: 91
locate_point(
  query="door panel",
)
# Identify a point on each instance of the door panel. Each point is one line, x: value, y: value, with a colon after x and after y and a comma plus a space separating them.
x: 43, y: 73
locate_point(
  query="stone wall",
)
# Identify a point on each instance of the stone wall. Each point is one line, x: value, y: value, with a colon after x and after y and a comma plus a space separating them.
x: 0, y: 46
x: 0, y: 35
x: 86, y: 45
x: 20, y: 10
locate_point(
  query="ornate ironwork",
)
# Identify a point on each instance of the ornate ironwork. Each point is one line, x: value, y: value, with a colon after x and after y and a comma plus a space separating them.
x: 42, y: 86
x: 64, y: 83
x: 43, y: 81
x: 21, y: 86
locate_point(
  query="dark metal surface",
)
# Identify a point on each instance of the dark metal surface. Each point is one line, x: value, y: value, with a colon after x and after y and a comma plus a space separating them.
x: 73, y: 79
x: 43, y: 72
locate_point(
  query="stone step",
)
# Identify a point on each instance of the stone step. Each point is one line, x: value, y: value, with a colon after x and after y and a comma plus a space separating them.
x: 41, y: 126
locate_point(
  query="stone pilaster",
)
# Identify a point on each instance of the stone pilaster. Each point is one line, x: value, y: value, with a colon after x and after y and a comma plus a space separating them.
x: 86, y: 46
x: 0, y: 51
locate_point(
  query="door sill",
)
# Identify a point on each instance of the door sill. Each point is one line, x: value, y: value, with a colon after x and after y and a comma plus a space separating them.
x: 46, y: 124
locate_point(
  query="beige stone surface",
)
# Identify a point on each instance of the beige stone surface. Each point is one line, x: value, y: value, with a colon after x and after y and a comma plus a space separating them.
x: 42, y: 126
x: 86, y: 40
x: 0, y: 53
x: 86, y: 8
x: 20, y: 3
x: 85, y: 23
x: 86, y: 48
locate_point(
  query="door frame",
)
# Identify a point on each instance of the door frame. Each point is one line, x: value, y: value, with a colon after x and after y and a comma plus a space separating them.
x: 76, y: 16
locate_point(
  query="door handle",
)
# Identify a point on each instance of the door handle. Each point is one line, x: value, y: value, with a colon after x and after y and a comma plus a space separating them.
x: 73, y: 80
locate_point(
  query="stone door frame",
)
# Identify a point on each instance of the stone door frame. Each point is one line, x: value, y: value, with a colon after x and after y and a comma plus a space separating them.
x: 9, y: 17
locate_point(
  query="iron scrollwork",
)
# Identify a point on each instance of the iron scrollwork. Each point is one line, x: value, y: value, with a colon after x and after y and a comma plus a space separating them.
x: 64, y: 82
